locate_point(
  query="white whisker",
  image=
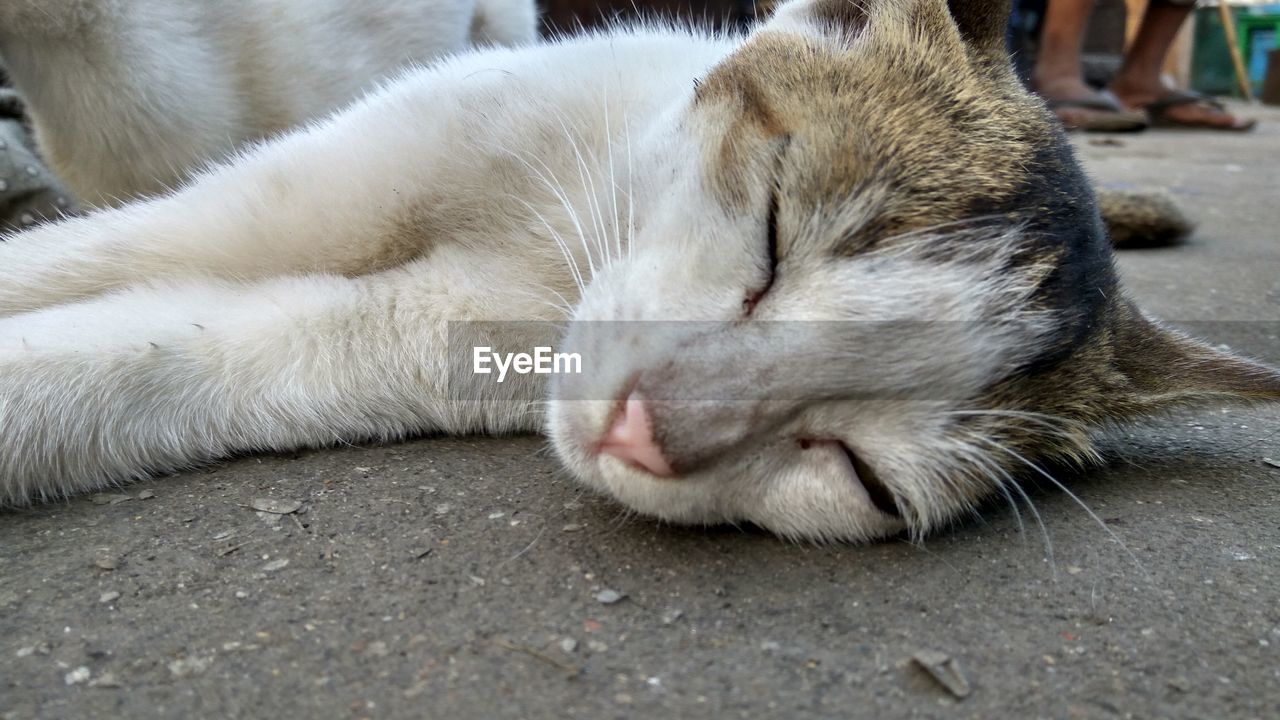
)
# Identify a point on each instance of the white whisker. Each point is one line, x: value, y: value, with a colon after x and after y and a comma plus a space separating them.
x: 563, y: 307
x: 1084, y: 506
x: 631, y: 198
x: 564, y: 247
x: 1057, y: 425
x: 613, y: 186
x: 561, y: 195
x: 982, y: 463
x: 589, y: 189
x: 1005, y: 481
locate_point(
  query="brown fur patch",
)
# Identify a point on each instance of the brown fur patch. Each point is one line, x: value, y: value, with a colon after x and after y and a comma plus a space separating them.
x: 1129, y: 368
x: 460, y: 218
x: 1142, y: 219
x: 929, y: 133
x: 751, y: 122
x: 912, y: 125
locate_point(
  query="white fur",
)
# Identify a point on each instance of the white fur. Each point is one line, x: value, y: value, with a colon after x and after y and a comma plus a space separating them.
x: 270, y: 304
x: 129, y: 97
x: 234, y: 314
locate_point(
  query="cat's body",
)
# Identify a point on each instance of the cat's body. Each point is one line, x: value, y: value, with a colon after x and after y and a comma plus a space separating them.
x: 129, y: 98
x: 872, y: 280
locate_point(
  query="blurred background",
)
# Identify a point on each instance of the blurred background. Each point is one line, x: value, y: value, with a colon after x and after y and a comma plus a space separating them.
x: 1219, y: 51
x: 1199, y: 59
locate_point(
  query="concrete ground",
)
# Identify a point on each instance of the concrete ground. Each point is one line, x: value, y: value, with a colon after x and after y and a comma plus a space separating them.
x: 465, y: 577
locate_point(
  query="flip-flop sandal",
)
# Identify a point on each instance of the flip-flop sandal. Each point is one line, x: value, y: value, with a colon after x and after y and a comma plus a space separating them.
x: 1103, y: 113
x: 1158, y: 112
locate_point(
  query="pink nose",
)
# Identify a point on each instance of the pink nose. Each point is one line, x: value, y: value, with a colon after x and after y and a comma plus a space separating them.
x: 630, y: 439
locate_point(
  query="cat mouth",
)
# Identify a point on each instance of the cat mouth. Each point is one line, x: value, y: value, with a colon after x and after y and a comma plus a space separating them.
x: 863, y: 474
x: 628, y: 438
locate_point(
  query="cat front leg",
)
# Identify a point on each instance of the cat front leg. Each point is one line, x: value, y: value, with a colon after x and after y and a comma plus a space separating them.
x: 162, y: 377
x: 354, y: 195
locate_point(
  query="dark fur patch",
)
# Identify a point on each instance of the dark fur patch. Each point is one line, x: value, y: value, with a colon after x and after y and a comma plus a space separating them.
x: 982, y: 24
x: 753, y: 123
x: 1055, y: 205
x: 849, y: 16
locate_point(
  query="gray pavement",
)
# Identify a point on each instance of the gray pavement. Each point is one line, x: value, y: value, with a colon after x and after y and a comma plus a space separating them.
x: 460, y: 578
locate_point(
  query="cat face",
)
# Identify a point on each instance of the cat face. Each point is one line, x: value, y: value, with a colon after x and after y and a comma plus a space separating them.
x: 867, y: 288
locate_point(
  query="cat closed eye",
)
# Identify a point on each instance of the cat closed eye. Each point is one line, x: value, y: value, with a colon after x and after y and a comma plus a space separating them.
x: 771, y: 244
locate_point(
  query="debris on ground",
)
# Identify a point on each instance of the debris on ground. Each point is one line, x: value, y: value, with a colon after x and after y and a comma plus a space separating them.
x: 187, y: 667
x: 146, y: 494
x: 945, y: 670
x: 111, y: 498
x: 609, y: 597
x: 276, y: 507
x: 535, y: 653
x: 415, y: 690
x: 77, y: 676
x: 1271, y: 461
x: 569, y: 645
x: 275, y: 565
x: 109, y: 597
x: 230, y: 549
x: 106, y: 562
x: 669, y: 617
x: 106, y: 681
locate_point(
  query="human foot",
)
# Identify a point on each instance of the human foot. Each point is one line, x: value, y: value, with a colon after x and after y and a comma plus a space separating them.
x: 1169, y: 107
x: 1080, y: 107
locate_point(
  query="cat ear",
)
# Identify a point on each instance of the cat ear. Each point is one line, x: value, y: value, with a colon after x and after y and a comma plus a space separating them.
x: 1161, y: 368
x: 845, y: 18
x: 982, y: 24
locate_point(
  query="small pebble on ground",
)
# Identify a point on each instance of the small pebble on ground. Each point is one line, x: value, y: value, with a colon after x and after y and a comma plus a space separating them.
x: 609, y: 597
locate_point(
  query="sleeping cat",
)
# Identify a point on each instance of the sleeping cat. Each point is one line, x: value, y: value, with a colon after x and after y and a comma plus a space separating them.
x: 128, y: 98
x: 839, y: 278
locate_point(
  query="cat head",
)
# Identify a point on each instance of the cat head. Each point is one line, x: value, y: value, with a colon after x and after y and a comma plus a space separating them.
x: 867, y: 288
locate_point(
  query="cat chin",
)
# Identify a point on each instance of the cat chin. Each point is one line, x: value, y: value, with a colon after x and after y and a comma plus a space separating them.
x: 683, y: 500
x: 803, y: 502
x: 795, y: 511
